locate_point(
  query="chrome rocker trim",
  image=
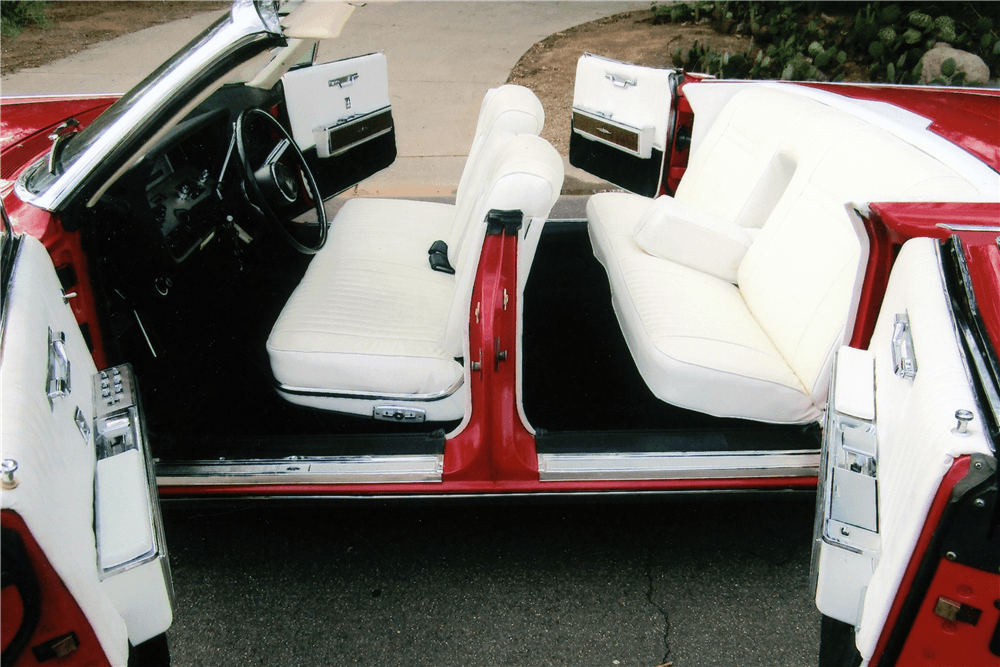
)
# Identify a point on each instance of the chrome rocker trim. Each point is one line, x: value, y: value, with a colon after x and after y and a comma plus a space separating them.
x: 677, y: 465
x: 394, y: 469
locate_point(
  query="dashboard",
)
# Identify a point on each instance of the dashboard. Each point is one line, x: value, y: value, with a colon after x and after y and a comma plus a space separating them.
x: 183, y: 184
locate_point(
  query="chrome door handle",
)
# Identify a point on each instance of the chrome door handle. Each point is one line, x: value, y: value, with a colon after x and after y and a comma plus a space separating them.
x: 904, y: 360
x: 344, y: 81
x: 620, y: 81
x: 58, y: 383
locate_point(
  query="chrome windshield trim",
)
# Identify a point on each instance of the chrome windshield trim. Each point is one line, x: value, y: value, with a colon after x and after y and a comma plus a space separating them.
x: 677, y: 465
x: 390, y: 469
x: 10, y: 252
x: 371, y: 395
x: 133, y: 113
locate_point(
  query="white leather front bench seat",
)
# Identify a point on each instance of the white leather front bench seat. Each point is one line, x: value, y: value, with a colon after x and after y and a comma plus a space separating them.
x: 735, y: 321
x: 371, y: 223
x: 371, y: 323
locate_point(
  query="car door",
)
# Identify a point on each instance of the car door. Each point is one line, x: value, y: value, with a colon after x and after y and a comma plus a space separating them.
x: 341, y: 119
x: 907, y: 547
x: 85, y: 574
x: 623, y: 117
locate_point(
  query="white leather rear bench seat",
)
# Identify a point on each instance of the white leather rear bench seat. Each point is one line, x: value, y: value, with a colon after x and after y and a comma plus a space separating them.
x: 753, y: 335
x: 372, y: 322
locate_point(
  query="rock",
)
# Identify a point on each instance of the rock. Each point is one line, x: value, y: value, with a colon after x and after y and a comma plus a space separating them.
x: 975, y: 69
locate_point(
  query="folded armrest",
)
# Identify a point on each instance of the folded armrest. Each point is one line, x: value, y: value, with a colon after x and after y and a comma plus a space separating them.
x: 684, y: 234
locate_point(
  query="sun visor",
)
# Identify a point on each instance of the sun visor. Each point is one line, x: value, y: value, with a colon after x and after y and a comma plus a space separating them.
x: 317, y: 20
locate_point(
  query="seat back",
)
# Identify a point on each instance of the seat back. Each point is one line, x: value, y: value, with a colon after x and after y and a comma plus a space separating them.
x: 525, y: 174
x: 739, y: 156
x: 508, y: 110
x: 802, y: 277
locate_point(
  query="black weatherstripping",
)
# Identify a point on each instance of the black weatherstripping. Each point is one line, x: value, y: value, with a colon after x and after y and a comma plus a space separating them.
x: 636, y: 174
x: 696, y: 441
x: 345, y: 170
x: 17, y: 572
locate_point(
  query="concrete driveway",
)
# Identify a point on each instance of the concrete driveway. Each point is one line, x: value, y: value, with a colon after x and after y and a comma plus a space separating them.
x: 443, y: 57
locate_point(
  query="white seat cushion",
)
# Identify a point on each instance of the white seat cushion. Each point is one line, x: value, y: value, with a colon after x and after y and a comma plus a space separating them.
x: 376, y: 326
x: 672, y: 230
x: 380, y: 228
x: 372, y: 318
x: 369, y: 305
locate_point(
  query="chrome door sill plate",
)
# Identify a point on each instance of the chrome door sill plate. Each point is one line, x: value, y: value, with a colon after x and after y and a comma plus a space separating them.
x: 677, y: 465
x: 303, y: 470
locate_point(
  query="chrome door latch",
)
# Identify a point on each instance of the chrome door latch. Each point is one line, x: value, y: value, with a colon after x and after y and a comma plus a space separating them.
x: 58, y: 381
x: 904, y: 360
x: 82, y: 424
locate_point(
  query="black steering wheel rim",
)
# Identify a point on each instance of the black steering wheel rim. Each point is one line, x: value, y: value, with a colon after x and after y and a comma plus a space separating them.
x: 279, y: 179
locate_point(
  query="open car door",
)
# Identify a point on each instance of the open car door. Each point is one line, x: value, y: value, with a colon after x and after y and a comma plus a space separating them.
x: 341, y: 119
x: 85, y: 571
x: 623, y: 118
x: 906, y: 560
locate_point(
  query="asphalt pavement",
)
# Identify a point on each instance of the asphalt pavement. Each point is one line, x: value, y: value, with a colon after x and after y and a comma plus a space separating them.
x: 699, y: 582
x: 694, y: 582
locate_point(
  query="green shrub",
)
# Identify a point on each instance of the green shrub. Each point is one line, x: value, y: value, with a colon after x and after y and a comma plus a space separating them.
x: 814, y: 40
x: 15, y: 14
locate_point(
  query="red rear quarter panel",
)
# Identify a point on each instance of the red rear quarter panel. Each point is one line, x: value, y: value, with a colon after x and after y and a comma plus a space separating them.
x: 967, y: 117
x: 25, y: 123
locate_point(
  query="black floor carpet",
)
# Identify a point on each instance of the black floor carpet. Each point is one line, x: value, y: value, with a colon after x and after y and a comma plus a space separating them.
x: 579, y: 375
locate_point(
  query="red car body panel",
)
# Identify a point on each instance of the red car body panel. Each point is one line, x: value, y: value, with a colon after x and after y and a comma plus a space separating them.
x: 25, y: 125
x: 24, y: 129
x: 59, y: 612
x: 935, y: 640
x: 892, y: 224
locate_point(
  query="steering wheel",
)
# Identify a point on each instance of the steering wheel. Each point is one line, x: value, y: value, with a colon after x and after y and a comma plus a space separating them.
x: 275, y: 172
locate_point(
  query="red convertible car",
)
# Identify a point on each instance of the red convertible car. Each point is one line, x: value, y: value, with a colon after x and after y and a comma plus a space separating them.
x: 797, y: 288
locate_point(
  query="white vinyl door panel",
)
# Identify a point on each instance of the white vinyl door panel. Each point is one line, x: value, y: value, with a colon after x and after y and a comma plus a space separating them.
x: 622, y: 122
x: 56, y: 457
x: 630, y: 95
x: 340, y: 116
x: 332, y: 94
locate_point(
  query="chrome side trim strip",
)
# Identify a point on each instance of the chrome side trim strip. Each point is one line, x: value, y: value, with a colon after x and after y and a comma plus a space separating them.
x: 303, y: 470
x: 371, y: 395
x: 677, y: 465
x: 969, y: 228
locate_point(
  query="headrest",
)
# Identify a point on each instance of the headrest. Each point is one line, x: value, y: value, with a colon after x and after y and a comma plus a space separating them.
x: 510, y: 108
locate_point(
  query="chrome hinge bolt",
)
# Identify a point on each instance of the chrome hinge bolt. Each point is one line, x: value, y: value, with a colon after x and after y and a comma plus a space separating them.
x: 963, y: 417
x: 7, y: 469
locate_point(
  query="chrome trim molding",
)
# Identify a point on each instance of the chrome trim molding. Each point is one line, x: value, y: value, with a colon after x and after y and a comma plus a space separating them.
x: 396, y: 469
x: 677, y: 465
x: 170, y: 82
x: 371, y: 395
x: 969, y: 228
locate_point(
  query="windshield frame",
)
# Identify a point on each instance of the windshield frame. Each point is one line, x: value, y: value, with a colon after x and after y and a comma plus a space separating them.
x: 94, y: 154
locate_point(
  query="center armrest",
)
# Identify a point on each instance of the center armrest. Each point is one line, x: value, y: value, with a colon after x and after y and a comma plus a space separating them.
x: 695, y: 238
